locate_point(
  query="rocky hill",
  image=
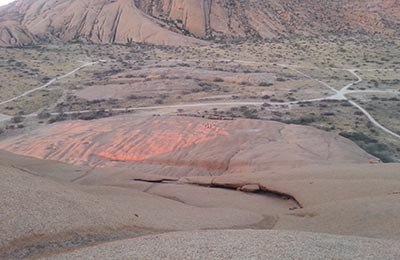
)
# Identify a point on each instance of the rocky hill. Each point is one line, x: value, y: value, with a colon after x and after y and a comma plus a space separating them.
x: 185, y: 22
x: 185, y: 146
x: 98, y: 21
x: 50, y: 209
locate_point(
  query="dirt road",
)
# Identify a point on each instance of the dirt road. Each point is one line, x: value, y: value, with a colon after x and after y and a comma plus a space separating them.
x: 87, y: 64
x: 336, y: 94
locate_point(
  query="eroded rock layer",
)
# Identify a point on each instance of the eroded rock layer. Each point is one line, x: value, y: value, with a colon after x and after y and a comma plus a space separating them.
x: 99, y: 21
x: 173, y: 22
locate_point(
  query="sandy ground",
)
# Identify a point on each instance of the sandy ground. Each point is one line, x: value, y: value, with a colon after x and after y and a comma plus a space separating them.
x: 246, y: 244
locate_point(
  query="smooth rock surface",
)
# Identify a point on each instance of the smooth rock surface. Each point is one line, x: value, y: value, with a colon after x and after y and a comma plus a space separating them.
x: 239, y: 245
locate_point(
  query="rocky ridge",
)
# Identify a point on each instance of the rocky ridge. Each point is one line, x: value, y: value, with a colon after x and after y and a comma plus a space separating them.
x: 186, y: 22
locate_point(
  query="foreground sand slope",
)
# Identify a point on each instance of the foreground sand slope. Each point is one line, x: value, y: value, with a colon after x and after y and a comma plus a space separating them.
x: 34, y: 208
x: 43, y: 210
x: 296, y: 178
x: 352, y: 199
x: 238, y: 245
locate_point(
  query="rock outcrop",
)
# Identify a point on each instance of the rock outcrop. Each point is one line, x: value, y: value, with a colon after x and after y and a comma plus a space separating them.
x: 175, y: 22
x: 50, y: 207
x: 98, y: 21
x: 185, y: 146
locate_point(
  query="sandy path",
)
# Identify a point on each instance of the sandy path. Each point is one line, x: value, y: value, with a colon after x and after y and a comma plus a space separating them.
x: 337, y: 94
x: 4, y: 118
x: 87, y: 64
x: 341, y: 95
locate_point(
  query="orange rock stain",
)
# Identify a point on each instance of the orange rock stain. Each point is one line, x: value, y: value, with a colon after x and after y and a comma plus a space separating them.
x: 141, y: 145
x: 115, y: 140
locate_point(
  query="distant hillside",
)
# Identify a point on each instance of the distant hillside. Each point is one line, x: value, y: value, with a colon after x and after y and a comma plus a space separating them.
x: 185, y: 22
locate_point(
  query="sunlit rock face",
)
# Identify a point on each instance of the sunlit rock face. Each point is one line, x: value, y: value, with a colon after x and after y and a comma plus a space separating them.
x: 98, y: 21
x: 273, y: 18
x: 184, y: 146
x: 180, y: 22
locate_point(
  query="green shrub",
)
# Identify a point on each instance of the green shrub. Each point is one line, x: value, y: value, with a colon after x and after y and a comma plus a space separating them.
x: 370, y: 145
x: 265, y: 84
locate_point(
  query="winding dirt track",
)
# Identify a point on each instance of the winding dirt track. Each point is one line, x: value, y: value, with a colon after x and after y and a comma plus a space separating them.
x: 341, y: 95
x: 85, y: 64
x: 338, y: 94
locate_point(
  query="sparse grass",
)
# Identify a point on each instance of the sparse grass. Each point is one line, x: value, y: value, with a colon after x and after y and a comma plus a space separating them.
x: 260, y: 82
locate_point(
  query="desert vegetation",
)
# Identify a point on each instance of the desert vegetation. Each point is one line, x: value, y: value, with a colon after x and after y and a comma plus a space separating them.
x: 139, y: 75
